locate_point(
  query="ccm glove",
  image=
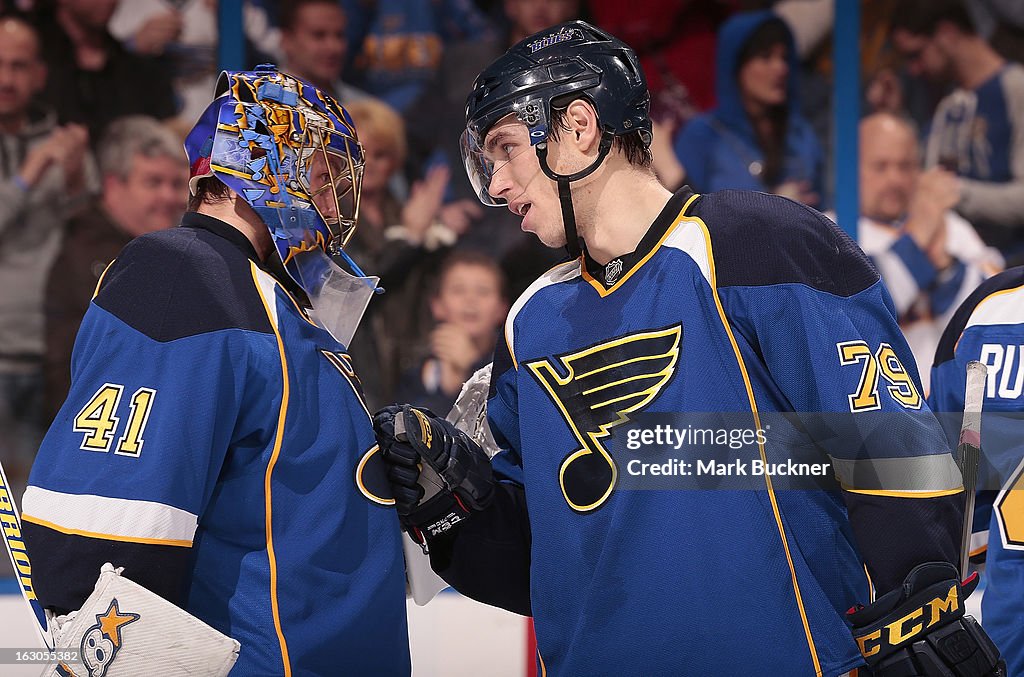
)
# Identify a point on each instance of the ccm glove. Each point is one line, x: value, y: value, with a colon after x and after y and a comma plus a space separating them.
x: 920, y: 630
x: 439, y: 476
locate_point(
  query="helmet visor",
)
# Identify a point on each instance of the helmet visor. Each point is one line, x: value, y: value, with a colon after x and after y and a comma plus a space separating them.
x: 330, y: 172
x: 483, y: 159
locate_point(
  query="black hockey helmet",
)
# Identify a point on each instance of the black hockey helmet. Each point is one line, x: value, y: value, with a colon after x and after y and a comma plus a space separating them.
x: 551, y: 68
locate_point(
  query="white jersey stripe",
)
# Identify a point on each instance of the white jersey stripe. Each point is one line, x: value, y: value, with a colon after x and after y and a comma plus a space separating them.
x: 112, y: 518
x: 1002, y: 307
x: 560, y: 273
x: 688, y: 237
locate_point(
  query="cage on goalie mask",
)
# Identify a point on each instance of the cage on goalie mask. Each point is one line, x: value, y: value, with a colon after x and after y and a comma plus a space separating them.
x: 289, y: 150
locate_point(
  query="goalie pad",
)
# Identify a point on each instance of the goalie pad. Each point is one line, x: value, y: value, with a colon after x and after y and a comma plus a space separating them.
x: 125, y: 630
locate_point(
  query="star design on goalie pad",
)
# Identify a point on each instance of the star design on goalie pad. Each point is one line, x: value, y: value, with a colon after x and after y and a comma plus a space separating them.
x: 113, y: 620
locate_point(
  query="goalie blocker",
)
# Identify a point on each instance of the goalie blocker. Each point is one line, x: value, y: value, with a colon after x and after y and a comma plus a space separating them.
x: 124, y: 630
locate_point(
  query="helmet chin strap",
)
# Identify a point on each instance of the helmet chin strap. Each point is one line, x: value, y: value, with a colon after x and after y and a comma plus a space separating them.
x: 572, y: 237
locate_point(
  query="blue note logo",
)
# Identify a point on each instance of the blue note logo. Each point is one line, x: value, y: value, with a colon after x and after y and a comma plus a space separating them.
x: 595, y: 389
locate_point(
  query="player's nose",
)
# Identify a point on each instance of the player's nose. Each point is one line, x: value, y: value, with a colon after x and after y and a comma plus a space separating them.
x: 500, y: 183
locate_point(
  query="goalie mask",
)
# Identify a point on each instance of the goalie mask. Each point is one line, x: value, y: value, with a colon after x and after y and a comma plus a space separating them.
x: 570, y: 61
x: 290, y: 151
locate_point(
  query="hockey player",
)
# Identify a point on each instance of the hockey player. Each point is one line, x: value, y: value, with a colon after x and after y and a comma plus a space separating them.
x: 736, y: 302
x: 989, y: 327
x: 214, y: 442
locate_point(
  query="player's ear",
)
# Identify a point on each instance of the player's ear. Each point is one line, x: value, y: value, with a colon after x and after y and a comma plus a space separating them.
x: 581, y: 119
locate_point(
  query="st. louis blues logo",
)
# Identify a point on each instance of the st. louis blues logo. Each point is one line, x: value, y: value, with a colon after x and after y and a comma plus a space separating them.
x: 600, y: 385
x: 102, y: 641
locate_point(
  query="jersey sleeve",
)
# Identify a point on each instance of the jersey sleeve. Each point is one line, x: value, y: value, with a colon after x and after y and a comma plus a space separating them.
x: 133, y: 456
x: 822, y: 324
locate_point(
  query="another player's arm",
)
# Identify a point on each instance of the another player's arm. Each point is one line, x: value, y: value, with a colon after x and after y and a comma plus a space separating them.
x: 906, y: 507
x: 131, y: 458
x: 472, y: 516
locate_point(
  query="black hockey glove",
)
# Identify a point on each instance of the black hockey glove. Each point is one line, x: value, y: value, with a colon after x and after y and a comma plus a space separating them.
x: 920, y: 630
x: 437, y: 473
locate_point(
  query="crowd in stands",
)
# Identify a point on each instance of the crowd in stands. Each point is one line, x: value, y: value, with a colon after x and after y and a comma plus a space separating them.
x: 96, y: 95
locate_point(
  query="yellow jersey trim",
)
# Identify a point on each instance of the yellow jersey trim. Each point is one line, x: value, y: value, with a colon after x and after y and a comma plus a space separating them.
x: 278, y: 437
x: 757, y: 423
x: 602, y: 292
x: 359, y: 478
x: 906, y: 494
x: 105, y: 537
x: 99, y: 282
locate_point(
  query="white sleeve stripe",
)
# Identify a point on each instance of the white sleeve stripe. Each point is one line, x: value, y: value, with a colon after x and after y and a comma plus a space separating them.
x: 113, y: 518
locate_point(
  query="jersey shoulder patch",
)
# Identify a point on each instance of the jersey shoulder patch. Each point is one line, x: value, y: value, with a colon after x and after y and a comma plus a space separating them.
x: 759, y: 239
x: 1004, y: 281
x: 182, y: 282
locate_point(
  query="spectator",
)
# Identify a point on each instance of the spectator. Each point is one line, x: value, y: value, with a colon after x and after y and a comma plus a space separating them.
x: 399, y: 241
x: 43, y: 177
x: 929, y: 257
x: 315, y: 46
x: 92, y: 78
x: 145, y: 177
x: 397, y: 44
x: 468, y: 306
x: 755, y: 138
x: 978, y: 129
x: 667, y: 36
x: 443, y: 102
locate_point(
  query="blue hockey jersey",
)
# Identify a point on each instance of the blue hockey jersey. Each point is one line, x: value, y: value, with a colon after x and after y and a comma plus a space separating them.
x: 989, y: 327
x: 735, y: 302
x: 215, y: 444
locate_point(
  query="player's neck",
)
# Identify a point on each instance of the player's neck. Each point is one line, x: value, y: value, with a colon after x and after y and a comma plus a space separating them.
x: 240, y: 216
x: 623, y: 203
x: 976, y: 63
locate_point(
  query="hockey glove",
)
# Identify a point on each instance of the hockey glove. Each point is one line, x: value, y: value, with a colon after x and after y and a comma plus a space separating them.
x: 437, y: 473
x: 920, y: 630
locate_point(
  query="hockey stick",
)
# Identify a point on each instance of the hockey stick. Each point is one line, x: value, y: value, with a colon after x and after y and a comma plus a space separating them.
x: 11, y: 524
x: 969, y: 452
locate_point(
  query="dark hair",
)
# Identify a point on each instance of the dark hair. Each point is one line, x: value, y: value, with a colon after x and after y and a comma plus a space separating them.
x: 773, y: 145
x: 632, y: 145
x: 288, y: 11
x: 469, y: 257
x: 922, y: 17
x: 209, y: 189
x: 766, y: 36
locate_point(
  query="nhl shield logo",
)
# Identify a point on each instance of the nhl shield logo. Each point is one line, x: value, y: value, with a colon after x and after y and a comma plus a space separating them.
x: 612, y: 271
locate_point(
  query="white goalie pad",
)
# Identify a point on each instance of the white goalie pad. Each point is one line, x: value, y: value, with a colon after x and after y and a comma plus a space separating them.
x: 470, y: 416
x: 125, y: 630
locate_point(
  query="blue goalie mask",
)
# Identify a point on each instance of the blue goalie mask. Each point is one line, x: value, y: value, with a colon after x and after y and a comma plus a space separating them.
x: 291, y: 152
